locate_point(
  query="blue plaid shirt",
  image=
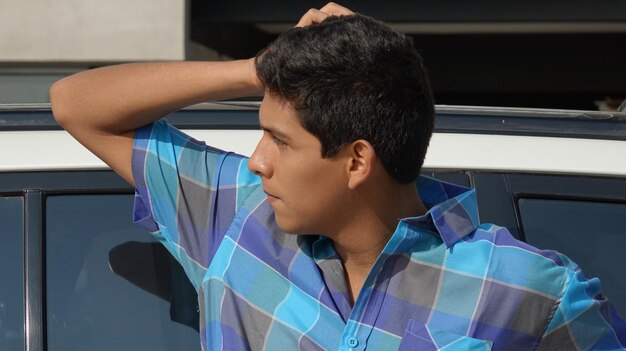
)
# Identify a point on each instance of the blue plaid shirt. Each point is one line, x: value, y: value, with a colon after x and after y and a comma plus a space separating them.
x: 443, y: 281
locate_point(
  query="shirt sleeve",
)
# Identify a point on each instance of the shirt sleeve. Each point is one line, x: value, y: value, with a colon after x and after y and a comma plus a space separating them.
x: 187, y: 193
x: 584, y: 319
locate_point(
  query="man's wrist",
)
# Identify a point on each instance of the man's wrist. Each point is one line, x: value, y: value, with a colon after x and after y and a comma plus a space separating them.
x: 253, y: 79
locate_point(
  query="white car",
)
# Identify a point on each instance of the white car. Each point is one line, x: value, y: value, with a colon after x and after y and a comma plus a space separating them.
x: 77, y: 274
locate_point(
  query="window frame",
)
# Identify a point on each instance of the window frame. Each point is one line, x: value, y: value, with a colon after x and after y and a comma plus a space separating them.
x: 34, y: 187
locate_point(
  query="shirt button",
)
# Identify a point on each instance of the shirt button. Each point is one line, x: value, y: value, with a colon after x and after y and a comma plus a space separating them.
x: 353, y: 342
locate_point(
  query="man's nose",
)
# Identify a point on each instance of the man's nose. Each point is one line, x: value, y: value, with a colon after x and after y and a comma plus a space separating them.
x: 259, y: 162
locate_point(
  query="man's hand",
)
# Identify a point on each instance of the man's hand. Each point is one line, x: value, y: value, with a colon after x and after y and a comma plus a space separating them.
x: 317, y: 16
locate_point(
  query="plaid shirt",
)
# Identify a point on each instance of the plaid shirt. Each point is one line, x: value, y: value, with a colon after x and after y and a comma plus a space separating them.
x: 442, y: 282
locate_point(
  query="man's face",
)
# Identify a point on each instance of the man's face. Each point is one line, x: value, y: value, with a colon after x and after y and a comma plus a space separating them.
x: 308, y: 193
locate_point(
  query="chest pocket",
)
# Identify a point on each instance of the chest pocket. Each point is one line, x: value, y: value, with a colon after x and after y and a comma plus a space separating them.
x: 418, y: 336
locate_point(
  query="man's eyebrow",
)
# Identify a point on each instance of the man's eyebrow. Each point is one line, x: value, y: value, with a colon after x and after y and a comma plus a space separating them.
x: 276, y: 132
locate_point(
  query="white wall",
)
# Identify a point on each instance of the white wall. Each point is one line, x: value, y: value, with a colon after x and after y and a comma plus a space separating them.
x: 92, y: 30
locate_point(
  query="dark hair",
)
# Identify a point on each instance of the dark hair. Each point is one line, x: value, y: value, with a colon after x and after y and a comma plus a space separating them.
x: 350, y: 78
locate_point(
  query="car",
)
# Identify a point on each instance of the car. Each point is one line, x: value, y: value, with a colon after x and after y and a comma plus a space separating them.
x: 78, y: 274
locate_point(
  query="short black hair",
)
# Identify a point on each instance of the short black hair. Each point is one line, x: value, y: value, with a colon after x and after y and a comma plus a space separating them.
x: 353, y: 77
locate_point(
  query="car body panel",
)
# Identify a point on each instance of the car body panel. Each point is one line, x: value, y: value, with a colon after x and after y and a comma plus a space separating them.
x: 57, y: 150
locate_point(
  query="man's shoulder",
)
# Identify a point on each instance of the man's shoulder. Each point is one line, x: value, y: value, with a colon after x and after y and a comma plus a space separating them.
x: 513, y: 263
x: 503, y: 242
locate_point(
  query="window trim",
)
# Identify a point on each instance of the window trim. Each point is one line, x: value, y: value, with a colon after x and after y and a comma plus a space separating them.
x: 34, y: 326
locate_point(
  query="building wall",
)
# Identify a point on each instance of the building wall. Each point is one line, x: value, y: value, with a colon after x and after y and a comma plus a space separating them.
x: 92, y: 31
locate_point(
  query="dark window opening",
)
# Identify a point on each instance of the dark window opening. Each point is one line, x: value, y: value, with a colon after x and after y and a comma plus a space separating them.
x: 590, y: 233
x: 11, y: 273
x: 109, y: 284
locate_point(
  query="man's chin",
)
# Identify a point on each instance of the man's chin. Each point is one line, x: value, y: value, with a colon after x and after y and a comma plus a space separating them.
x: 290, y: 227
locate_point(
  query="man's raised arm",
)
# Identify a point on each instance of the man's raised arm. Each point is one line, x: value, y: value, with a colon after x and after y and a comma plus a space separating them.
x: 102, y: 107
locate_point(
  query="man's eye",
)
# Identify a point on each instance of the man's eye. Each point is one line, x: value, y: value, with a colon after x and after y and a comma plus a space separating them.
x: 278, y: 141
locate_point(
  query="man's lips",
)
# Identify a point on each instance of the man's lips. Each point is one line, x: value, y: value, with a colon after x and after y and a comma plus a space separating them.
x: 270, y: 198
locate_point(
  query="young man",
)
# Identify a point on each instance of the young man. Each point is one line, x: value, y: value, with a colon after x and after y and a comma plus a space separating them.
x: 321, y: 239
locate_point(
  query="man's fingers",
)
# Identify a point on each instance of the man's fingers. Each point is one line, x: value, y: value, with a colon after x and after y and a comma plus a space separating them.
x: 317, y: 16
x: 310, y: 17
x: 333, y: 9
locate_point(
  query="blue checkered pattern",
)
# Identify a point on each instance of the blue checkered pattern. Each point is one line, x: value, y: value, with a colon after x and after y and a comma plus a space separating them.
x: 443, y: 281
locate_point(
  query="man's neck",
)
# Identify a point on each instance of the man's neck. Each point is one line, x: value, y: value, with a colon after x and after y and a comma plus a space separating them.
x: 363, y: 237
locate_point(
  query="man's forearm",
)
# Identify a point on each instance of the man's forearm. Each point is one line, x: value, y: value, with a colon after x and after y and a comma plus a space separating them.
x: 119, y: 99
x: 103, y: 107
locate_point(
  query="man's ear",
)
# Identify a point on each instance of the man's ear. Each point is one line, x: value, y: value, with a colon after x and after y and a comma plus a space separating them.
x: 361, y: 162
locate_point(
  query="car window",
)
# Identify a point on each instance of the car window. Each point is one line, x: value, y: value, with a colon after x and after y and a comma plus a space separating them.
x: 11, y: 273
x: 111, y: 286
x: 591, y: 233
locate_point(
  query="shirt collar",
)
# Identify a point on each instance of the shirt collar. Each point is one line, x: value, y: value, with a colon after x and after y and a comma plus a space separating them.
x: 453, y: 209
x: 453, y: 214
